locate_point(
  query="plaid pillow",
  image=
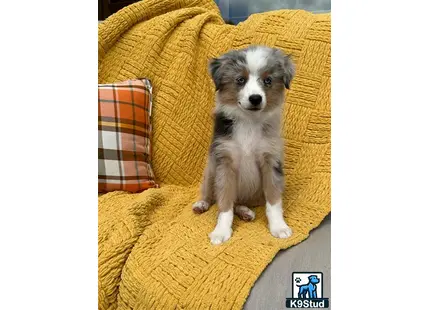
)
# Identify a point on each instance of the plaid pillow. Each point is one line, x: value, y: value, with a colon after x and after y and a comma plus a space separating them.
x: 125, y: 136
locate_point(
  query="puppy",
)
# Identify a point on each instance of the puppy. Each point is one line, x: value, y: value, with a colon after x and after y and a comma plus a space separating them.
x: 245, y: 162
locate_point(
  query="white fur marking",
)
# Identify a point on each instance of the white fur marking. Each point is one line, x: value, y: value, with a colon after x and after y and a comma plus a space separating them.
x: 257, y: 58
x: 252, y: 87
x: 277, y: 226
x: 222, y: 231
x: 248, y: 135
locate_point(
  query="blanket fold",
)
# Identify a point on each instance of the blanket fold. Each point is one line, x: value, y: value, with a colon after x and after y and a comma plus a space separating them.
x: 154, y: 253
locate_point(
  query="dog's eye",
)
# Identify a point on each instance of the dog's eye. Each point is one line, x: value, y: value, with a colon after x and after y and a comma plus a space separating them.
x: 240, y: 80
x: 267, y: 81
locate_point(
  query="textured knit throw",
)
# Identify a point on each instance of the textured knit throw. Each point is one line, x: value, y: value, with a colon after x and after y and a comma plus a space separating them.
x: 154, y: 253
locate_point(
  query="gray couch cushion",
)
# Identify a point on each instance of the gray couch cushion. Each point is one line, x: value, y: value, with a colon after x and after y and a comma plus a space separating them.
x: 274, y: 284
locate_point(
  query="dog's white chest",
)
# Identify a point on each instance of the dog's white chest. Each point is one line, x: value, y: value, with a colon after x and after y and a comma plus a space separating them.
x: 248, y: 136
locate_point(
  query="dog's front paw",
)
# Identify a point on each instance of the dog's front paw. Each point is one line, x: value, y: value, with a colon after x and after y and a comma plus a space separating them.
x: 220, y: 235
x: 200, y: 206
x: 281, y: 230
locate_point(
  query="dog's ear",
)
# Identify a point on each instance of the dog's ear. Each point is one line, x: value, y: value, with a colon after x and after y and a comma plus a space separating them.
x: 214, y: 70
x: 289, y: 71
x: 225, y: 65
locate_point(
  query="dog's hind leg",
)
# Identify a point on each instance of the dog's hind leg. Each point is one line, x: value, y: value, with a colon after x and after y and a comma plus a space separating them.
x: 302, y: 292
x: 244, y: 213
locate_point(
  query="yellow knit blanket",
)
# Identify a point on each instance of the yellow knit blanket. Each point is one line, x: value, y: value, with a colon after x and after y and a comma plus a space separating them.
x: 154, y: 253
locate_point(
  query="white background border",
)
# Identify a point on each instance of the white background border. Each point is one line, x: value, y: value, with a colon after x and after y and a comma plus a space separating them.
x: 48, y: 220
x: 380, y: 153
x: 381, y: 117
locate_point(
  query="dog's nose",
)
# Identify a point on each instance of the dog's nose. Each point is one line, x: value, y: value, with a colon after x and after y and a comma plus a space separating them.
x: 255, y: 99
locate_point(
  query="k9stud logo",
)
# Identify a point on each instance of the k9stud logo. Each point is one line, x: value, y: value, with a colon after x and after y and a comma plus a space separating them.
x: 307, y: 291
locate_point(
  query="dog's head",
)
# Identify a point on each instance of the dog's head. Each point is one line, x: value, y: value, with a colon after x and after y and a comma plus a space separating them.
x: 313, y: 279
x: 252, y: 79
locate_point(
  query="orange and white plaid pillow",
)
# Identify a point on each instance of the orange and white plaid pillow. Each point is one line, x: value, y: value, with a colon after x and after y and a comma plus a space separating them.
x: 125, y: 136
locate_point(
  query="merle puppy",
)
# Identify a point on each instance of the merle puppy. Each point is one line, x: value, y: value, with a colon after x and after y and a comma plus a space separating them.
x: 245, y: 162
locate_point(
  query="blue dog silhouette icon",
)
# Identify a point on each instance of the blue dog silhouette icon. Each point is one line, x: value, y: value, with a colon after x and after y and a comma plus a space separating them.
x: 309, y: 290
